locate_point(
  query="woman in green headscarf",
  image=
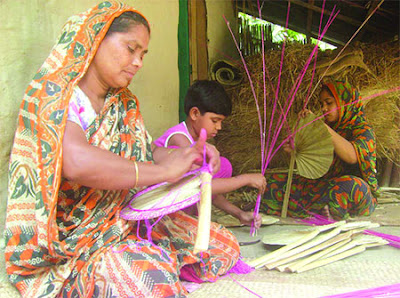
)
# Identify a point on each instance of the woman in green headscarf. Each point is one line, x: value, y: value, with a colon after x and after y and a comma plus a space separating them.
x: 350, y: 186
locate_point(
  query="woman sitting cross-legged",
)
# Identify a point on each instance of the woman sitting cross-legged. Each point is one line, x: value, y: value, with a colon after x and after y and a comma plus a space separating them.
x: 350, y: 186
x: 80, y: 151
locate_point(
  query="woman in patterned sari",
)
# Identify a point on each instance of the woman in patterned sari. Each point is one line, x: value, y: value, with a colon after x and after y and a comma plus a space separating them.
x: 80, y: 151
x: 350, y: 186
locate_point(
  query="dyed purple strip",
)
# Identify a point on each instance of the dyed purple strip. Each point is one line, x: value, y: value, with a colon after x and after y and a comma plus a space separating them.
x: 247, y: 289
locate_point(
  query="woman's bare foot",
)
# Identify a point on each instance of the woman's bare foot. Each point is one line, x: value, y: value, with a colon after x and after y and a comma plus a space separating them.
x: 325, y: 212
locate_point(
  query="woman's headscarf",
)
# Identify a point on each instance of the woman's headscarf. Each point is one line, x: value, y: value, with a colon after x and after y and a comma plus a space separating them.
x: 353, y: 127
x: 36, y: 159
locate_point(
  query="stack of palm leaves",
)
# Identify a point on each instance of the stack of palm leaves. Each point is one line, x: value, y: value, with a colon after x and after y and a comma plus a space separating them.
x: 313, y: 247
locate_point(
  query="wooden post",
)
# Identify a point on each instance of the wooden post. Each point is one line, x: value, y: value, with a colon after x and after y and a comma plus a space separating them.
x: 286, y: 198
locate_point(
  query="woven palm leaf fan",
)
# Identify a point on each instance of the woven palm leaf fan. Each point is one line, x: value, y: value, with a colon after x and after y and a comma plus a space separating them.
x: 313, y: 148
x: 230, y: 221
x: 313, y: 153
x: 166, y: 198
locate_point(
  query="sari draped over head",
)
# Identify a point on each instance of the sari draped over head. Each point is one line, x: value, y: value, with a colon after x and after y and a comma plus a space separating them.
x: 346, y: 189
x: 353, y: 127
x: 65, y: 239
x: 49, y: 219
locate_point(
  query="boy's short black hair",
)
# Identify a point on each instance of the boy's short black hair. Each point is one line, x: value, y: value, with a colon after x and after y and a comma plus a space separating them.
x: 208, y: 96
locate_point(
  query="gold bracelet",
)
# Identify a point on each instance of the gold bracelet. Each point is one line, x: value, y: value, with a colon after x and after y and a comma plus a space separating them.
x: 137, y: 174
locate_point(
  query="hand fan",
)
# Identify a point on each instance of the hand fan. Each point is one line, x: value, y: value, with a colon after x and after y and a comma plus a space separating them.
x: 230, y: 221
x: 313, y: 153
x: 313, y: 148
x: 164, y: 198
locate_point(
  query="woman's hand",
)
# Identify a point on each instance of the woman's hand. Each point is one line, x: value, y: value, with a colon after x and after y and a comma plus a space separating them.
x: 343, y: 148
x: 179, y: 161
x: 303, y: 113
x: 287, y: 147
x: 213, y: 155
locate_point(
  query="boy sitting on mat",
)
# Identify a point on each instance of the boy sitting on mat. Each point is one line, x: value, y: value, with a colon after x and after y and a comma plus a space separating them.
x: 206, y: 105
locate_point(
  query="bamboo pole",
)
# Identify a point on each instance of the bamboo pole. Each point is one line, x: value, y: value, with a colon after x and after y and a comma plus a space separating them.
x: 288, y: 186
x: 204, y: 223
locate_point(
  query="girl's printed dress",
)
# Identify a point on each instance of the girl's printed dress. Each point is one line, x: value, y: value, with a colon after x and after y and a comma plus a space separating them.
x: 348, y: 190
x: 68, y: 240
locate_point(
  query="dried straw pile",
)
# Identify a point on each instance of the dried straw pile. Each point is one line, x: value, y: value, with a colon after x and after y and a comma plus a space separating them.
x: 371, y: 68
x: 383, y: 112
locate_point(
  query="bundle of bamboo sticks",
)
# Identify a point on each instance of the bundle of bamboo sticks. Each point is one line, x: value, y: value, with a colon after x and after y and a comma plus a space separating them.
x: 320, y: 246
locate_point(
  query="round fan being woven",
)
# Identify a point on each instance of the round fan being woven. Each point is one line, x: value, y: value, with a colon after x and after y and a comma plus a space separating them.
x: 164, y: 199
x: 313, y: 148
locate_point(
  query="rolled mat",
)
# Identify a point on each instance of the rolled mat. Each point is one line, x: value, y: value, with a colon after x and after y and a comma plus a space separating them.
x: 226, y: 73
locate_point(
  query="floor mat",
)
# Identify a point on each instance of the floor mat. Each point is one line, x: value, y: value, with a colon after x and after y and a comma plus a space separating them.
x: 376, y: 267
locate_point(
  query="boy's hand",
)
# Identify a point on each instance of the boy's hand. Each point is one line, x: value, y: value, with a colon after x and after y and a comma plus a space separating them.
x: 247, y: 218
x: 256, y: 180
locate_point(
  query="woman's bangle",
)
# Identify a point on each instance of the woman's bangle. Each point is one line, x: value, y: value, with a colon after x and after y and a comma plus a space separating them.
x: 137, y: 174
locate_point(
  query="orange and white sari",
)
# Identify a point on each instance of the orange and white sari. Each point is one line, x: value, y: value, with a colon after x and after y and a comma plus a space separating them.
x: 64, y: 239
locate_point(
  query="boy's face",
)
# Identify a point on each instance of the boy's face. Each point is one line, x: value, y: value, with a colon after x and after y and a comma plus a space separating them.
x: 211, y: 122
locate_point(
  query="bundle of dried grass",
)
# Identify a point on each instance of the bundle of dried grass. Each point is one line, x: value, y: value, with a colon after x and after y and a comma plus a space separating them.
x: 380, y: 70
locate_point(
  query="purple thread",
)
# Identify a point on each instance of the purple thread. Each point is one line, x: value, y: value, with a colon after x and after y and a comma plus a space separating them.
x: 283, y: 116
x: 247, y: 289
x: 241, y: 268
x: 203, y: 263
